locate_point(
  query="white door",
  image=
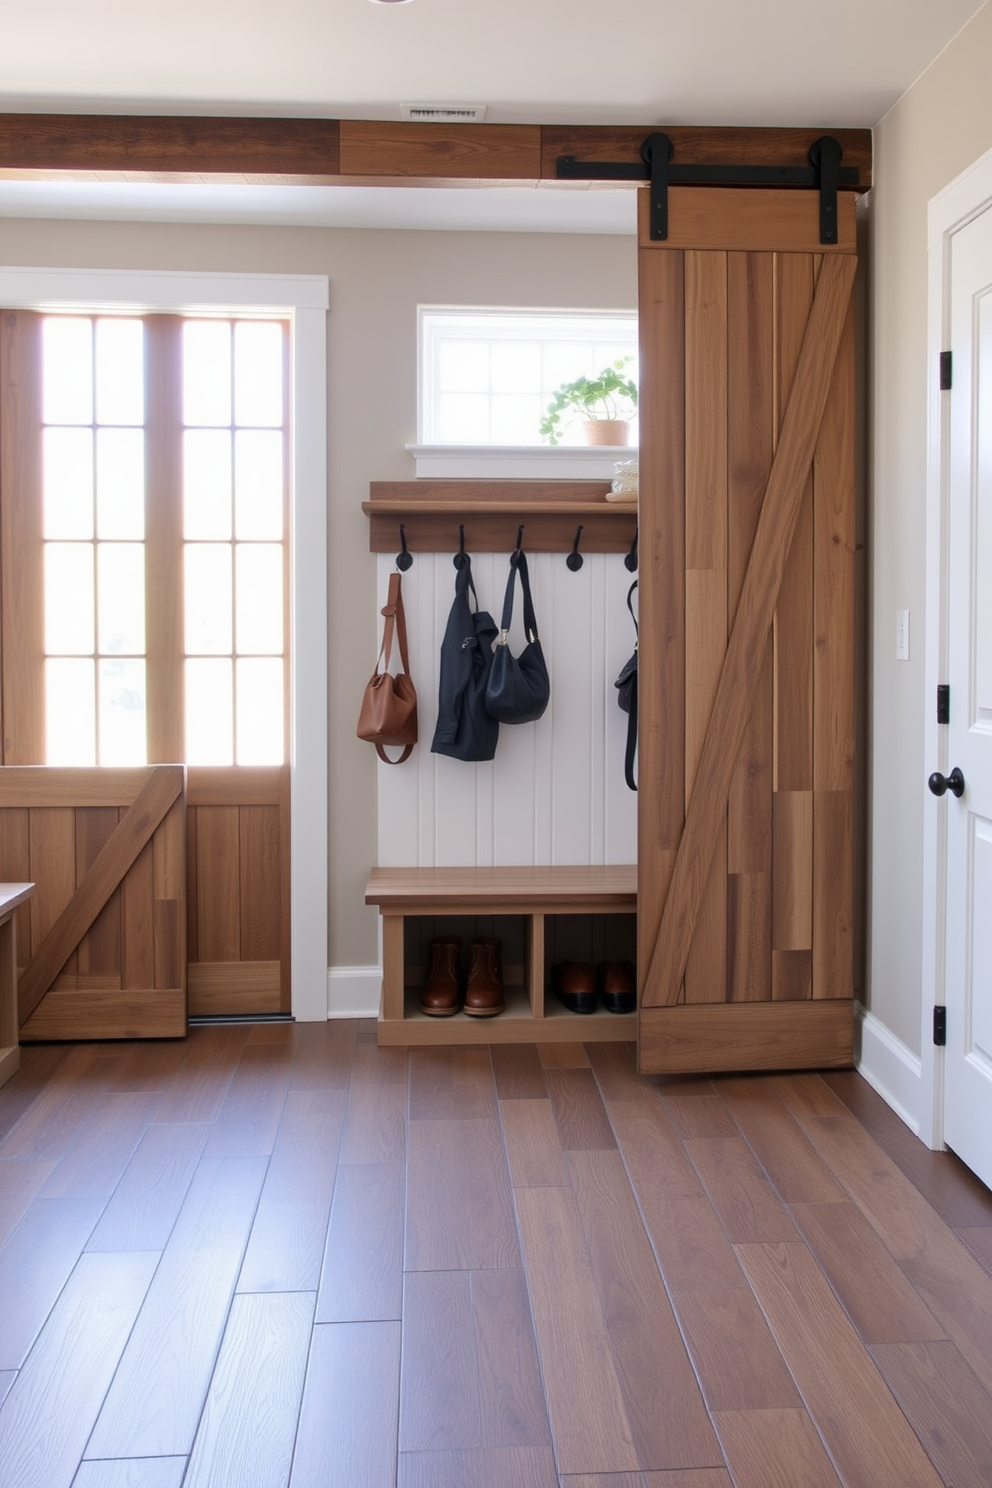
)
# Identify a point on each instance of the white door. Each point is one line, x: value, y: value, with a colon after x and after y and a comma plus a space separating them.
x: 968, y: 963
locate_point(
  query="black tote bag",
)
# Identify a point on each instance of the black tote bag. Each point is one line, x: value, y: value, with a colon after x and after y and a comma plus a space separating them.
x: 519, y: 686
x: 465, y: 730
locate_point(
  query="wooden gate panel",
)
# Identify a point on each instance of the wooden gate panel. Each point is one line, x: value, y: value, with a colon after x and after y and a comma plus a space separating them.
x: 105, y: 956
x: 260, y: 909
x: 137, y: 941
x: 99, y: 955
x: 238, y: 891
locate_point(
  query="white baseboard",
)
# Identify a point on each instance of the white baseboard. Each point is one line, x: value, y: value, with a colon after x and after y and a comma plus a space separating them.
x: 890, y: 1068
x: 353, y: 991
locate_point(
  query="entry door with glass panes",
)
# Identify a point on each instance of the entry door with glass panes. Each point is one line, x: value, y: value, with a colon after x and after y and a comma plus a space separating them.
x: 145, y: 563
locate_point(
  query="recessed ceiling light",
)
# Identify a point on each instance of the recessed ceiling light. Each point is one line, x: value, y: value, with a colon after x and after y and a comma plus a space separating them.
x: 391, y: 2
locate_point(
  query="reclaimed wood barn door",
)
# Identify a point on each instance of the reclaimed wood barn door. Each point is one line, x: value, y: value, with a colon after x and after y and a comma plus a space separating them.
x: 747, y: 654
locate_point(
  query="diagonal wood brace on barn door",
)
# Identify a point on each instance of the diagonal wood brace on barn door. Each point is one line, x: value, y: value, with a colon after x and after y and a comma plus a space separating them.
x: 755, y: 612
x: 135, y: 829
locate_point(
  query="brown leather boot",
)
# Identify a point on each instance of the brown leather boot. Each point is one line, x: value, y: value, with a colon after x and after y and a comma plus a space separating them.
x: 484, y: 992
x: 439, y: 996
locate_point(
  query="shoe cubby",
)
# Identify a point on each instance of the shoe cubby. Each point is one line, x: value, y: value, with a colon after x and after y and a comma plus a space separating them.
x: 541, y: 915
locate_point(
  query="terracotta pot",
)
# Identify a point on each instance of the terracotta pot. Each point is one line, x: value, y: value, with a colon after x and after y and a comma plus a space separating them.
x: 606, y: 431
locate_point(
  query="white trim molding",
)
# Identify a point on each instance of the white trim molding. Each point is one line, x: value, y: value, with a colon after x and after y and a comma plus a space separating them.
x: 960, y: 202
x: 304, y: 300
x: 354, y: 991
x: 889, y: 1067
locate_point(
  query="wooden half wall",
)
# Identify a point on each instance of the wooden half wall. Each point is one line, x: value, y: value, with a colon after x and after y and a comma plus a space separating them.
x: 102, y: 943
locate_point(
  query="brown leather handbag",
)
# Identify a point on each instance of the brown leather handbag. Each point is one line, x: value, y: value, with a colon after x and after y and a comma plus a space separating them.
x: 389, y: 706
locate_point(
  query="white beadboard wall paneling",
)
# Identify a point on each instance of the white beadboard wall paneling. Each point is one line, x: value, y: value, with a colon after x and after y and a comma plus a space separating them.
x: 555, y: 792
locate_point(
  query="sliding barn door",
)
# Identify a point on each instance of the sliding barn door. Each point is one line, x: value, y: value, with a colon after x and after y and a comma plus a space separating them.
x: 747, y: 539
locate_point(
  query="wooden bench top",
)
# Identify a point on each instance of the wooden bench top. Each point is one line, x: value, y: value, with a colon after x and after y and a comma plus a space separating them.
x: 395, y: 889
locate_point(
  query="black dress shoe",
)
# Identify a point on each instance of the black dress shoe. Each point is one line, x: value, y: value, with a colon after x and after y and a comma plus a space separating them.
x: 575, y: 985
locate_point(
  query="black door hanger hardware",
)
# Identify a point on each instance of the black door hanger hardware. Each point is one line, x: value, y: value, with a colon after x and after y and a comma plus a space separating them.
x: 824, y: 174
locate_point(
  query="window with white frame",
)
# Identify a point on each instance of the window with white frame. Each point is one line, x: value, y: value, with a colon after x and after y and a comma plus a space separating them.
x: 224, y: 419
x: 487, y: 376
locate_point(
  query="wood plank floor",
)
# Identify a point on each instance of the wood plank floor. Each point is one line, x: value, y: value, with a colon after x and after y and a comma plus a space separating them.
x: 277, y: 1256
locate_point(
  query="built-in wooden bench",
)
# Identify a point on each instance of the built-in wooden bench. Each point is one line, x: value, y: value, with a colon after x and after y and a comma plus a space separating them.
x: 533, y: 895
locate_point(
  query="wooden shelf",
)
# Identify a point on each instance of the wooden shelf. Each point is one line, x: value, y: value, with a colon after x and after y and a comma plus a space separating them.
x: 530, y: 893
x: 492, y: 511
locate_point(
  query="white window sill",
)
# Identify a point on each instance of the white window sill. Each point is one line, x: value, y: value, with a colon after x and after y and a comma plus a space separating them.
x: 518, y: 461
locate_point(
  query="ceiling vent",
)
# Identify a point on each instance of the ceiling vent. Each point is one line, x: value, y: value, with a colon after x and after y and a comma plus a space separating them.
x: 444, y: 113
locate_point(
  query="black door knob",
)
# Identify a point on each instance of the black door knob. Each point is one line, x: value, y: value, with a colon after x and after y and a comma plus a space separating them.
x: 940, y: 783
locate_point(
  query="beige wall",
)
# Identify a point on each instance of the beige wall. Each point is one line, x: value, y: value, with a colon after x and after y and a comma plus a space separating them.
x: 377, y: 279
x: 932, y: 134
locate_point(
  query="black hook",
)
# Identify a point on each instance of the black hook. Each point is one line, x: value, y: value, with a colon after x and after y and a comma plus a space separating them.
x: 460, y: 556
x: 574, y: 559
x: 515, y: 555
x: 404, y: 558
x: 630, y: 562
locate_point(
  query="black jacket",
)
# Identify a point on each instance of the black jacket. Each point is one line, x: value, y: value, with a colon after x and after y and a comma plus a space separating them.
x: 464, y: 729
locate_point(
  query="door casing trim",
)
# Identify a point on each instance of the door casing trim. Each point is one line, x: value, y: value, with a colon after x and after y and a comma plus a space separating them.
x: 953, y: 208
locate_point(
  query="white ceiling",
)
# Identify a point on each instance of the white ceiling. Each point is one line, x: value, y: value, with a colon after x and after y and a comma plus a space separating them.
x: 788, y: 62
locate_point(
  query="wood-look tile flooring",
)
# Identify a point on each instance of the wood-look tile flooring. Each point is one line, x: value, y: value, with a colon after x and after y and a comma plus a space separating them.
x: 280, y: 1255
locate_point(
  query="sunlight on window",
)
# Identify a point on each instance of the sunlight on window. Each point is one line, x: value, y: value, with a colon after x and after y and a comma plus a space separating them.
x: 209, y: 711
x: 209, y: 595
x: 120, y: 371
x: 207, y: 485
x: 67, y: 382
x: 70, y: 712
x: 69, y: 599
x: 258, y: 585
x: 123, y: 725
x: 67, y: 484
x: 120, y: 483
x: 121, y: 599
x: 258, y: 485
x: 206, y: 372
x: 233, y: 464
x: 260, y: 711
x: 234, y: 590
x: 258, y: 373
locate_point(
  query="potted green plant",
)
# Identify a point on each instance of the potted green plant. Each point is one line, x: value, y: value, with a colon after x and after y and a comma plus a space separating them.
x: 607, y: 403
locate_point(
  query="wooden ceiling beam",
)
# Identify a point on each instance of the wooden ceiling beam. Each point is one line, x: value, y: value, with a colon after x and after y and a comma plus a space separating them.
x: 352, y: 152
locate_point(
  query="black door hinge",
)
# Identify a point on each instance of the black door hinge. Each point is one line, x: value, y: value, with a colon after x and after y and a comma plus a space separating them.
x: 943, y: 703
x: 940, y: 1026
x: 945, y: 371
